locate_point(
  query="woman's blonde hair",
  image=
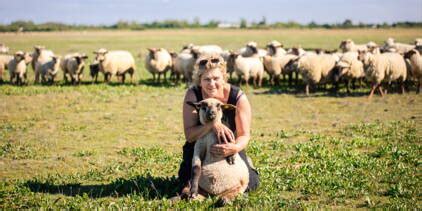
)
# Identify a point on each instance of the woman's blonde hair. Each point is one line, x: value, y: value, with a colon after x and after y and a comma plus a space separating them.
x: 207, y: 63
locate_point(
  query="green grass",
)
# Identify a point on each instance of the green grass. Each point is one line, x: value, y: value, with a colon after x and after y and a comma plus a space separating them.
x: 116, y: 146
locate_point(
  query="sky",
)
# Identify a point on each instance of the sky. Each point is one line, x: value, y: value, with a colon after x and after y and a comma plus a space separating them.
x: 94, y: 12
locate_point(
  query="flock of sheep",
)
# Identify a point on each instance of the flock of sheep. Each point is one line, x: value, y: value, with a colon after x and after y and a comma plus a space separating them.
x: 377, y: 65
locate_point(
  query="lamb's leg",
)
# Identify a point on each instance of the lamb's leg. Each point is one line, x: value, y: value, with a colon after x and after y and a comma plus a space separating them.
x: 229, y: 195
x: 196, y: 171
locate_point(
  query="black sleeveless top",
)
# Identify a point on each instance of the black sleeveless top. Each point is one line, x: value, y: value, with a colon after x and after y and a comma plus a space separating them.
x: 228, y: 115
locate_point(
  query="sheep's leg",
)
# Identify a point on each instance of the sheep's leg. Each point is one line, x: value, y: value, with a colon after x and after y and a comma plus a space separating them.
x: 153, y: 77
x: 419, y: 88
x: 402, y: 87
x: 307, y: 89
x: 37, y: 77
x: 123, y: 77
x: 371, y: 93
x: 196, y: 169
x: 229, y: 195
x: 159, y: 76
x: 380, y: 90
x: 348, y: 86
x: 290, y: 75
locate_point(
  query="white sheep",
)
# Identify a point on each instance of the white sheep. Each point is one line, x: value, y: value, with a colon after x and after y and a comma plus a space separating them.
x: 349, y: 68
x: 3, y: 49
x: 184, y: 63
x: 275, y: 48
x: 38, y: 49
x: 212, y: 173
x: 415, y: 60
x: 4, y: 62
x: 387, y: 67
x: 391, y: 46
x: 251, y: 49
x: 276, y: 65
x: 373, y: 47
x: 17, y: 67
x: 247, y: 67
x: 348, y: 45
x: 73, y: 66
x: 316, y: 69
x: 158, y: 61
x: 203, y: 49
x: 116, y: 63
x: 47, y: 68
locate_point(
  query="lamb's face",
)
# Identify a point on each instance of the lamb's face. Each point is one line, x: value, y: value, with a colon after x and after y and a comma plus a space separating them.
x: 210, y: 110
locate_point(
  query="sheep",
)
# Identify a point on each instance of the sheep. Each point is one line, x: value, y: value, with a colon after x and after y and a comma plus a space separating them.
x: 94, y: 68
x: 115, y: 63
x: 247, y: 67
x: 275, y: 48
x: 184, y: 63
x: 415, y: 59
x: 203, y: 49
x: 251, y: 49
x: 38, y: 50
x: 386, y: 67
x: 315, y: 69
x: 391, y: 46
x: 373, y: 48
x: 73, y: 65
x: 158, y: 61
x: 418, y: 41
x: 349, y: 45
x: 275, y: 65
x: 17, y: 67
x: 3, y: 49
x: 212, y: 173
x: 349, y: 68
x: 4, y: 62
x: 47, y: 68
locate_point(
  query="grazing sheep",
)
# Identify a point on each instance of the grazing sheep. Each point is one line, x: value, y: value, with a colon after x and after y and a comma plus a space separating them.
x: 415, y: 59
x: 246, y: 67
x: 116, y: 63
x: 158, y: 61
x: 275, y: 65
x: 94, y: 68
x: 212, y: 173
x: 391, y: 46
x: 386, y: 67
x: 73, y: 65
x: 3, y: 48
x: 4, y: 62
x: 316, y: 69
x: 47, y: 68
x: 349, y: 68
x: 17, y: 67
x: 349, y: 45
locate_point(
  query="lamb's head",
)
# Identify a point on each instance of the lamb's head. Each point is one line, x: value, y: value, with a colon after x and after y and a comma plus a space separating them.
x: 151, y: 52
x: 252, y: 48
x: 272, y: 46
x: 19, y: 56
x: 210, y: 110
x: 100, y: 54
x: 80, y: 58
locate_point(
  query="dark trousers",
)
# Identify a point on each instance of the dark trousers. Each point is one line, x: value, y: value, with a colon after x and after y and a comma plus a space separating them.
x: 185, y: 171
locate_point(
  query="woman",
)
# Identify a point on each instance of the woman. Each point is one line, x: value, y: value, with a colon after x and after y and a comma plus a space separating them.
x: 210, y: 81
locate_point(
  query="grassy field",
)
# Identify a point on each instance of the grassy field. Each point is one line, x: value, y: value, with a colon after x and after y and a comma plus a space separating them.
x: 116, y: 146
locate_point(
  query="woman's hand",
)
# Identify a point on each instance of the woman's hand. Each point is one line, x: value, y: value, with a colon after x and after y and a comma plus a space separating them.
x: 224, y: 150
x: 224, y: 134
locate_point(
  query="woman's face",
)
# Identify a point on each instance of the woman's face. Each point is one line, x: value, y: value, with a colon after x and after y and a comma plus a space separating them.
x: 212, y: 82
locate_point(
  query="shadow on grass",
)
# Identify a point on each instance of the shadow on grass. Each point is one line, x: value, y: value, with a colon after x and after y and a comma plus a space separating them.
x: 146, y: 186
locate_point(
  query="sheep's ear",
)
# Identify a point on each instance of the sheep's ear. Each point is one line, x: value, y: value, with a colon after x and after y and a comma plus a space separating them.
x: 197, y: 106
x: 228, y: 107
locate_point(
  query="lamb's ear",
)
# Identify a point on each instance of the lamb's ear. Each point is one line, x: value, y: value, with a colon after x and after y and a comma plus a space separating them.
x: 197, y: 106
x: 228, y: 107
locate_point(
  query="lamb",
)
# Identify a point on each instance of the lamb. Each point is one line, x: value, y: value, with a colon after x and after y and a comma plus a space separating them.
x: 47, y: 68
x: 386, y: 67
x: 246, y: 67
x: 158, y: 61
x: 349, y: 45
x: 349, y: 68
x: 115, y: 63
x: 415, y: 59
x: 4, y: 62
x: 392, y: 46
x: 212, y: 173
x: 3, y: 49
x: 17, y: 67
x: 73, y: 65
x: 316, y: 69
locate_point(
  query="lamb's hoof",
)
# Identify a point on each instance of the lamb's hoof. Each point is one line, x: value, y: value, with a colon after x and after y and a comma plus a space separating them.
x: 223, y: 202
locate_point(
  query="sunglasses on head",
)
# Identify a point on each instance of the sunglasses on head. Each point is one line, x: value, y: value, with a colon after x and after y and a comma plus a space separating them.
x: 212, y: 61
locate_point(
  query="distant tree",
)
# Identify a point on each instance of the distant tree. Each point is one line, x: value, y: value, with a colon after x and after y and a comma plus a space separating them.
x: 243, y: 23
x: 347, y: 23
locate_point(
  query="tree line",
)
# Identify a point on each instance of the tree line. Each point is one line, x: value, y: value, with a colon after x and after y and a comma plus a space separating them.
x: 23, y: 25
